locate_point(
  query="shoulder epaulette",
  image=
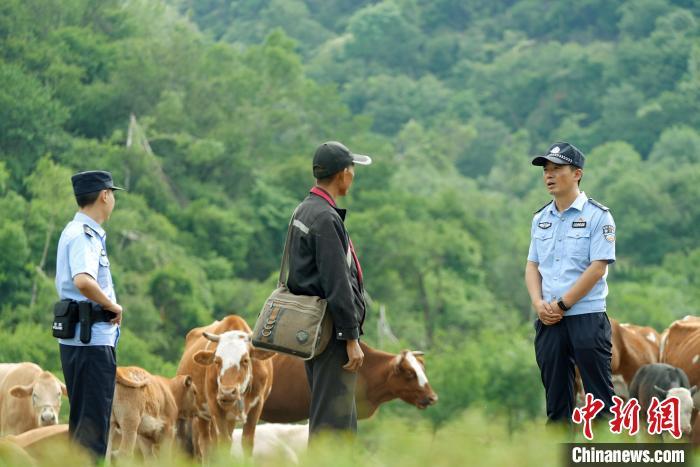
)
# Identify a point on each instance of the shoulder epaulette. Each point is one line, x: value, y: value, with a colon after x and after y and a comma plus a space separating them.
x: 598, y: 205
x: 540, y: 209
x: 88, y: 230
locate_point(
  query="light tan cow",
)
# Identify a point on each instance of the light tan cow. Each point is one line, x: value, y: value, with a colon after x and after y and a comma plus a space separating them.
x: 29, y: 397
x: 40, y: 435
x: 44, y: 445
x: 146, y: 409
x: 234, y: 379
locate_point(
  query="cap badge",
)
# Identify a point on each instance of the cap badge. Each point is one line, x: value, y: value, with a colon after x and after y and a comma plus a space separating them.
x: 555, y: 150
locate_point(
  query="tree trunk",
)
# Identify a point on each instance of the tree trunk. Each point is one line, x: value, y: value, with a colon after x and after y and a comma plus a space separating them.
x: 42, y: 262
x: 426, y: 310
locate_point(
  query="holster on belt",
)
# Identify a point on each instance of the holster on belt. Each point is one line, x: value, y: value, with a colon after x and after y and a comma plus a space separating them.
x: 85, y: 320
x: 89, y: 314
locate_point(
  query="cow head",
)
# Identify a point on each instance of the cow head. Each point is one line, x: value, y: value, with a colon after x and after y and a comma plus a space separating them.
x: 185, y: 392
x: 46, y: 391
x: 233, y: 366
x: 408, y: 380
x: 685, y: 397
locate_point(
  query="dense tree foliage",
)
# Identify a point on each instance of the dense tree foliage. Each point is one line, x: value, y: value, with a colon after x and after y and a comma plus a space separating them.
x: 450, y: 97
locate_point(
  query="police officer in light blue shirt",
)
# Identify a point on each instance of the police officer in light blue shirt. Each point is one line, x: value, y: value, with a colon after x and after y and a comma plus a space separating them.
x: 84, y: 281
x: 572, y: 244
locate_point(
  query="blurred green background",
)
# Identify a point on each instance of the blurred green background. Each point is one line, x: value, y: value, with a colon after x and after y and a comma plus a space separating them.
x: 450, y: 97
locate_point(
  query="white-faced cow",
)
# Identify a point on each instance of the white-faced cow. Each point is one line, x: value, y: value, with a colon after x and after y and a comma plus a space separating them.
x: 29, y: 397
x: 234, y: 378
x: 146, y: 409
x: 381, y: 378
x: 661, y: 381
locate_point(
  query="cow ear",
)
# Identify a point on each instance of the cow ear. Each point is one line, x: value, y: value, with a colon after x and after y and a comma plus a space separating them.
x: 204, y: 357
x: 693, y: 390
x: 260, y: 354
x: 22, y: 391
x: 64, y: 390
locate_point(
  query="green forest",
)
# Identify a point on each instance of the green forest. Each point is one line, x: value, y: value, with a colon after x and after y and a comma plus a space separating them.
x: 208, y: 112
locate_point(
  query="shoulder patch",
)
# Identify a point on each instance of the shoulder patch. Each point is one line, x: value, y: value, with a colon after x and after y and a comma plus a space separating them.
x: 88, y: 231
x: 540, y: 209
x: 598, y: 205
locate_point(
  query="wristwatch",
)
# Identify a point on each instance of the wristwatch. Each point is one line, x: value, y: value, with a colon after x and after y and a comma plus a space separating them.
x: 561, y: 305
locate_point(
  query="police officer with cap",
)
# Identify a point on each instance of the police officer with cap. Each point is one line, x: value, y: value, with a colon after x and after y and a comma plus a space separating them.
x: 572, y: 244
x: 83, y: 280
x: 323, y: 263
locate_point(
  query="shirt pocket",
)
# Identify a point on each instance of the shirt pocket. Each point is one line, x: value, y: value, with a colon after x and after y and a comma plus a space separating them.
x: 103, y: 274
x: 543, y: 243
x: 578, y: 242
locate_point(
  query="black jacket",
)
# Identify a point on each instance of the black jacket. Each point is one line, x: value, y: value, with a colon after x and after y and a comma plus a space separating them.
x: 321, y: 264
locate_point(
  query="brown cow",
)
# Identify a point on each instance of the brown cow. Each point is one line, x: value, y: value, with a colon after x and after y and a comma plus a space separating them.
x: 382, y: 378
x: 680, y: 347
x: 234, y: 378
x: 18, y: 411
x: 632, y: 347
x: 146, y: 409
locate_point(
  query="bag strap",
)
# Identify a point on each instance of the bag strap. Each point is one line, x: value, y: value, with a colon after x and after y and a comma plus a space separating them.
x: 284, y: 268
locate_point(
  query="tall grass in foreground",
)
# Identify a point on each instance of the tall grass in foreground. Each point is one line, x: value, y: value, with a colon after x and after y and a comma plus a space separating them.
x: 470, y: 440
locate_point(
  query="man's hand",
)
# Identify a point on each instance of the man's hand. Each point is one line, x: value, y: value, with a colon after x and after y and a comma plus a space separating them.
x: 548, y: 313
x: 355, y: 355
x: 117, y: 310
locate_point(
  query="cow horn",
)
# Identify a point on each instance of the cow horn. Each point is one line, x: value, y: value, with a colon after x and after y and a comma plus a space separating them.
x: 660, y: 390
x: 418, y: 353
x: 211, y: 337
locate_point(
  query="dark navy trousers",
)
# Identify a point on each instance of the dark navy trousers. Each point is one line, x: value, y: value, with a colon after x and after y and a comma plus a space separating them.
x: 332, y: 391
x: 90, y: 374
x: 581, y: 340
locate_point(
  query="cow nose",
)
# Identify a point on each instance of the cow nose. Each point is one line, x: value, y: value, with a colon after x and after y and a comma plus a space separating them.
x: 433, y: 398
x: 230, y: 393
x: 48, y: 417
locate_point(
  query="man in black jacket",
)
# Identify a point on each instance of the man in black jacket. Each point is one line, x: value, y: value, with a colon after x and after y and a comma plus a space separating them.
x: 323, y: 263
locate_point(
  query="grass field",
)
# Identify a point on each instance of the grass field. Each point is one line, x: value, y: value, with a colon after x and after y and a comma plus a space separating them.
x: 471, y: 440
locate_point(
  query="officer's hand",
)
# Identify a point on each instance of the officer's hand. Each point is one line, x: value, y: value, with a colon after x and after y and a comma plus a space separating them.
x: 117, y: 310
x: 546, y: 313
x: 355, y: 355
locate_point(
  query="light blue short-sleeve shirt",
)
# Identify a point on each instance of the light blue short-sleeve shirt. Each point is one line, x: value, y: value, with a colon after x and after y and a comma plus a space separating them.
x: 563, y: 244
x: 82, y: 248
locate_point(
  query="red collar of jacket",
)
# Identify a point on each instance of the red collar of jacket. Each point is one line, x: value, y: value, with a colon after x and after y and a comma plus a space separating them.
x: 318, y: 191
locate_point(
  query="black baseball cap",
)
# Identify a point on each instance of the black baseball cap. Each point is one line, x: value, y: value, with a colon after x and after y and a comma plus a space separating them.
x: 561, y: 153
x: 331, y: 157
x: 92, y: 181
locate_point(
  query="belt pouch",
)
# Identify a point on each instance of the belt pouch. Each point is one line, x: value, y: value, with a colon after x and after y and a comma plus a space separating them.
x: 65, y: 317
x: 84, y: 311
